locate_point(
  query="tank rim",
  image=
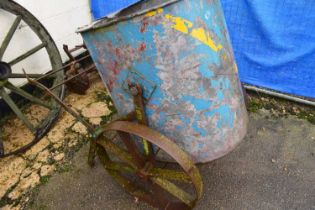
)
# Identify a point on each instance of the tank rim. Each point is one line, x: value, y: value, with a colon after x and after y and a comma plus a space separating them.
x: 121, y: 16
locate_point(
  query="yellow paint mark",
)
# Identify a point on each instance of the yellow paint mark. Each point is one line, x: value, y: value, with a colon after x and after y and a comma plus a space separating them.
x: 205, y: 38
x: 185, y: 26
x: 154, y: 12
x: 235, y: 68
x: 180, y: 24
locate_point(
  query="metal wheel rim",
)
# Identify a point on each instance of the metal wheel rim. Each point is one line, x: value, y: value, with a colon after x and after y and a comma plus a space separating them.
x: 56, y: 63
x: 181, y: 157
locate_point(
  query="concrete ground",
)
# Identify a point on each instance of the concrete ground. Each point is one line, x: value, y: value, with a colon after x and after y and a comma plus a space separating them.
x: 274, y: 168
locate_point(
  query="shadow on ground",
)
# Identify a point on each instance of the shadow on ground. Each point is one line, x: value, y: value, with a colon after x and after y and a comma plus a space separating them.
x: 274, y: 168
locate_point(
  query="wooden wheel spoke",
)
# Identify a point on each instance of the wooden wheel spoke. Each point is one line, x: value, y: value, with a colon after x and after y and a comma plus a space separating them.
x: 9, y: 36
x: 16, y: 110
x: 27, y: 95
x: 1, y: 147
x: 175, y: 191
x: 23, y: 76
x: 169, y: 174
x: 27, y: 54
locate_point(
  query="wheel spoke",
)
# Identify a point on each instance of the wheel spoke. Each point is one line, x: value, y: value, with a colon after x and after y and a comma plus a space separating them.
x: 132, y: 149
x: 127, y: 184
x: 27, y: 54
x: 113, y: 166
x: 175, y: 191
x: 117, y: 151
x: 120, y: 167
x: 22, y: 76
x: 9, y: 36
x: 16, y: 110
x: 169, y: 174
x: 1, y: 147
x: 27, y: 95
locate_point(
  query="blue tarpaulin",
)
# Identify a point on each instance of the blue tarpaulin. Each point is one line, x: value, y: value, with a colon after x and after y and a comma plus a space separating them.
x: 101, y: 8
x: 273, y: 40
x: 274, y: 43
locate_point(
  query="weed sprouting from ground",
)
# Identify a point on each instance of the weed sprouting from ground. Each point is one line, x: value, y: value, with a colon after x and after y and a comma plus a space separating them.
x: 279, y: 107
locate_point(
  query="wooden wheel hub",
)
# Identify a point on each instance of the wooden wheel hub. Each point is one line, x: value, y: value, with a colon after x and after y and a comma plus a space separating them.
x: 5, y: 71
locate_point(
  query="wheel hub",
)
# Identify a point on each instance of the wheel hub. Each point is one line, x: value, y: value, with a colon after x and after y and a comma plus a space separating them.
x: 5, y: 71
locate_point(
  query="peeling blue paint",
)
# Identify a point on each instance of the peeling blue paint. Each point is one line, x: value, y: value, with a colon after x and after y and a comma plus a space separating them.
x: 199, y: 104
x: 199, y: 130
x: 195, y: 97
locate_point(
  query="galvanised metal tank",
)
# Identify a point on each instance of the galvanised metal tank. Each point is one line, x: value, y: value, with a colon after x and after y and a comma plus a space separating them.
x: 180, y: 53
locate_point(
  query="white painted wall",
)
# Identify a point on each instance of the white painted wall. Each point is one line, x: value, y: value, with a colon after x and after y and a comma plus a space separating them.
x: 60, y: 17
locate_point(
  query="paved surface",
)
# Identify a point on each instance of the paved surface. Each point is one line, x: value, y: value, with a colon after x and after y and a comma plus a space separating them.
x: 274, y: 168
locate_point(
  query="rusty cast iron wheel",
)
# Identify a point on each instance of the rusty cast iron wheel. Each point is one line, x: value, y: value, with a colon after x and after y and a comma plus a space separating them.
x: 130, y: 157
x: 145, y: 178
x: 7, y: 77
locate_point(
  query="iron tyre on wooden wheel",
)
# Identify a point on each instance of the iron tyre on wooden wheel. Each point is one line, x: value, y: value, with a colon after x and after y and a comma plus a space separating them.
x: 14, y: 95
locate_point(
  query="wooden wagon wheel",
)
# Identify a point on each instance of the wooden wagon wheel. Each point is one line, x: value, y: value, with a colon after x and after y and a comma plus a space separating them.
x: 23, y: 18
x: 145, y: 178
